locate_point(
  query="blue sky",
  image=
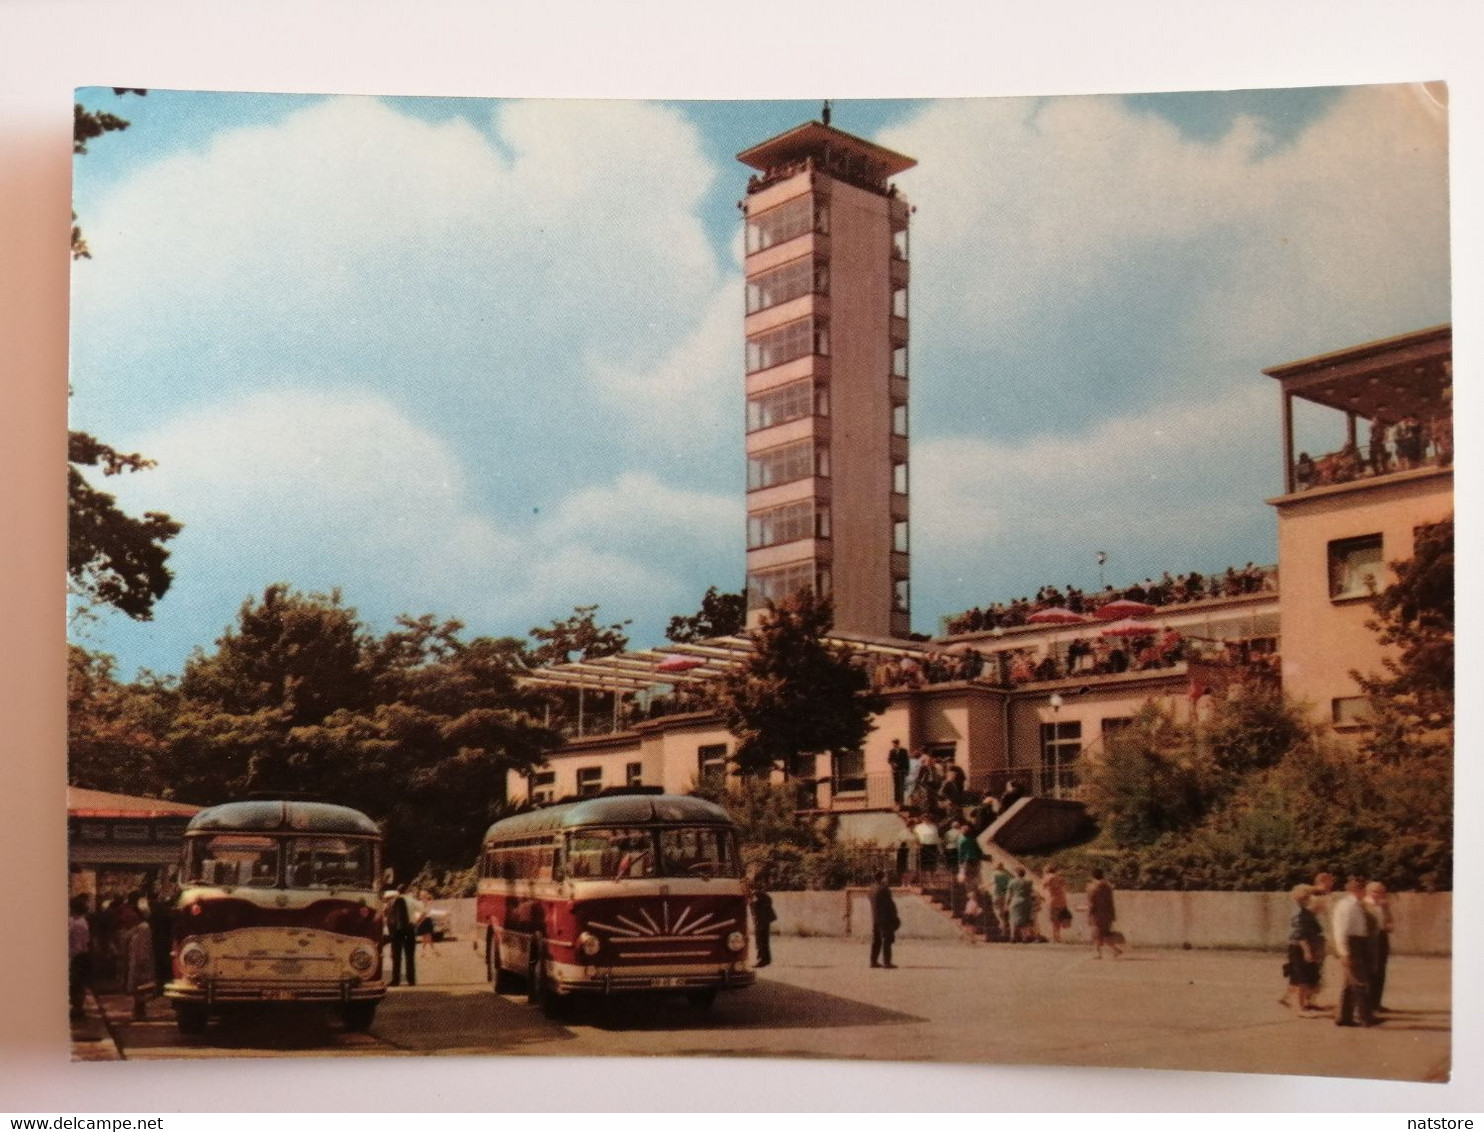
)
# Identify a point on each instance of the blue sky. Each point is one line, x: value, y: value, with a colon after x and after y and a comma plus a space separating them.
x: 483, y: 359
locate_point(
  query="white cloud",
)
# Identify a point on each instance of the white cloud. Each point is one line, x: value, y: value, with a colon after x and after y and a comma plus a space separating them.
x: 339, y: 488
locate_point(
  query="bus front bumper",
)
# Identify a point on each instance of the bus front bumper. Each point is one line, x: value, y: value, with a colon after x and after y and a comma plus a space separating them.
x: 622, y: 980
x: 210, y: 992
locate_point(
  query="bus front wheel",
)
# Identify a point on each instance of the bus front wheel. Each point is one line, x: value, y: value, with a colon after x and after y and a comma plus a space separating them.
x: 189, y: 1018
x: 539, y: 991
x: 358, y: 1016
x: 499, y: 978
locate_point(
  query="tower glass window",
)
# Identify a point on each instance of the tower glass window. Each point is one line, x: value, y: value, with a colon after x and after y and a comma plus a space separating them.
x: 802, y: 276
x: 899, y: 478
x: 787, y: 403
x: 787, y: 221
x: 899, y: 302
x: 899, y: 419
x: 787, y: 463
x: 782, y: 524
x: 766, y: 586
x: 899, y: 361
x: 899, y: 536
x: 792, y: 340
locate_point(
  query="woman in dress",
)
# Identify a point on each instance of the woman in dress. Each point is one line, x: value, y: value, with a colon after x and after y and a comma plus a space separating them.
x: 1305, y: 951
x: 1022, y: 906
x: 1101, y: 914
x: 1054, y: 889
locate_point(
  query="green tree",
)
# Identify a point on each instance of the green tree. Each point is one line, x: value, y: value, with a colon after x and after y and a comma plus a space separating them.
x: 112, y: 558
x: 1150, y: 779
x: 579, y: 634
x: 115, y: 732
x: 1412, y: 699
x: 720, y: 615
x: 796, y: 692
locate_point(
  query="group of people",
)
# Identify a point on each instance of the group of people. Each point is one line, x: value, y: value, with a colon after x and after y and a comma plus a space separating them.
x: 1360, y: 924
x: 1398, y: 445
x: 1167, y: 590
x: 124, y: 942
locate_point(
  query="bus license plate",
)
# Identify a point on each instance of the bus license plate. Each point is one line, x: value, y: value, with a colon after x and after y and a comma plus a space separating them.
x: 667, y: 981
x: 279, y: 995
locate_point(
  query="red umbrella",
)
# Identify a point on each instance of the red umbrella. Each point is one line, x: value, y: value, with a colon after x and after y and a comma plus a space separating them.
x: 1123, y: 607
x: 678, y: 664
x: 1129, y: 628
x: 1055, y: 616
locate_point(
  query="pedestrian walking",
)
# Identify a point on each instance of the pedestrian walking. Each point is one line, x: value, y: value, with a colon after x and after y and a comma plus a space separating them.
x: 884, y: 923
x: 763, y: 917
x: 999, y: 890
x: 1352, y: 935
x: 401, y: 921
x: 79, y: 954
x: 1054, y: 889
x: 1305, y: 952
x: 1022, y: 906
x: 424, y: 930
x: 1378, y: 904
x: 929, y: 841
x: 1101, y: 914
x: 137, y: 945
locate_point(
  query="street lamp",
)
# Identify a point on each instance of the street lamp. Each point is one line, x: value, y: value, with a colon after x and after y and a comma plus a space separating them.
x: 1055, y: 701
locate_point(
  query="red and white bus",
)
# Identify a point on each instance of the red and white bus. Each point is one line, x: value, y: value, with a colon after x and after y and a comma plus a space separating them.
x: 279, y: 904
x: 629, y: 891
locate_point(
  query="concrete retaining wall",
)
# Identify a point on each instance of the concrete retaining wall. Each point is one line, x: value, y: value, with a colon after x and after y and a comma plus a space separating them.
x: 1254, y: 920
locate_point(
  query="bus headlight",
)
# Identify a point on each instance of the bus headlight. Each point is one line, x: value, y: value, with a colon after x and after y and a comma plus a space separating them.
x: 736, y: 941
x: 588, y: 943
x: 193, y: 958
x: 362, y: 959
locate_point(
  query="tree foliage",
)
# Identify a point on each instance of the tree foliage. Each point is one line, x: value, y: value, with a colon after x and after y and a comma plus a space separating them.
x: 418, y: 728
x: 796, y: 692
x: 579, y: 634
x: 720, y: 615
x: 1412, y: 699
x: 113, y: 558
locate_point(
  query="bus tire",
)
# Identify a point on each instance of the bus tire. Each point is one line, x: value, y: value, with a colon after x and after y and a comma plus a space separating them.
x: 500, y: 979
x: 190, y: 1019
x: 703, y: 999
x: 358, y: 1016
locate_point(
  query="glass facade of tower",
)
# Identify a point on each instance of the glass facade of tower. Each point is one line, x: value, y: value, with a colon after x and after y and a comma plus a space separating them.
x: 826, y: 356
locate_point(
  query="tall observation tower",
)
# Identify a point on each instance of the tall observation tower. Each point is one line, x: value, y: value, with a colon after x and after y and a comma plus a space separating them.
x: 826, y: 329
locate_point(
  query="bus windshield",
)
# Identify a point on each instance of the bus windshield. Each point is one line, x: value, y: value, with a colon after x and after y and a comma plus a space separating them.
x: 634, y: 854
x: 232, y: 859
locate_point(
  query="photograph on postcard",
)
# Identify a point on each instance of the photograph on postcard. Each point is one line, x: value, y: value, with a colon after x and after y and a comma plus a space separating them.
x: 960, y: 580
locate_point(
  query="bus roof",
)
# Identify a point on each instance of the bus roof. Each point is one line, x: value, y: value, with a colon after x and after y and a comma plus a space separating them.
x: 282, y: 816
x: 614, y: 810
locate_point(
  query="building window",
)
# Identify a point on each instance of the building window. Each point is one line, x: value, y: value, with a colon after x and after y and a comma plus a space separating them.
x: 1355, y: 567
x: 787, y: 403
x: 899, y: 419
x: 803, y: 276
x: 1113, y: 724
x: 901, y: 596
x: 775, y: 585
x: 899, y: 244
x: 589, y: 780
x: 711, y: 762
x: 1351, y: 711
x: 899, y: 361
x: 787, y: 463
x: 899, y: 302
x: 543, y: 786
x: 785, y: 222
x: 633, y: 774
x: 899, y: 478
x: 848, y: 772
x: 785, y: 524
x: 1061, y: 745
x: 899, y: 536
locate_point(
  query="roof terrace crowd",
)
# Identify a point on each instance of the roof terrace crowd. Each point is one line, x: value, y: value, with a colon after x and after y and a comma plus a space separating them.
x: 1177, y: 590
x: 1393, y: 446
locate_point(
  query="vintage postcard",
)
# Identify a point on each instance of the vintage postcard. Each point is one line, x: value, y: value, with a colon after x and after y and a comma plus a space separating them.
x: 965, y: 581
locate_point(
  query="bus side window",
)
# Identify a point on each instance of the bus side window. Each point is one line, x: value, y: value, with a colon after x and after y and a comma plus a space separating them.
x: 556, y: 864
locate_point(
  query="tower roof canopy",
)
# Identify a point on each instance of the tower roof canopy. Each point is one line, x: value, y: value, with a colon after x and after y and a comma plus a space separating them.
x: 831, y: 150
x: 1406, y: 374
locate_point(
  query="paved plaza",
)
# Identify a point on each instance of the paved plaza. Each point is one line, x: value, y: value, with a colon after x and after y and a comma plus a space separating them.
x: 946, y: 1002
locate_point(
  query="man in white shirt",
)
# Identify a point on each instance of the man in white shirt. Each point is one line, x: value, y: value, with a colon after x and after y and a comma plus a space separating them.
x: 1351, y: 931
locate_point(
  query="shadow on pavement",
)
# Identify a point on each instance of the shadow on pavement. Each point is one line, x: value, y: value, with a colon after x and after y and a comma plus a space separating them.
x: 435, y: 1021
x: 764, y: 1006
